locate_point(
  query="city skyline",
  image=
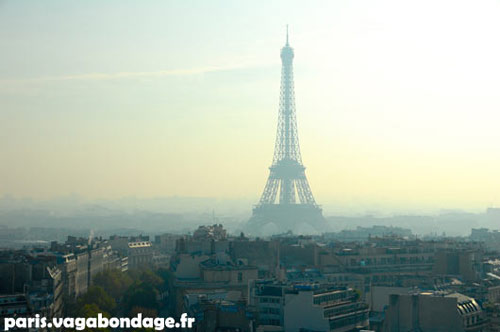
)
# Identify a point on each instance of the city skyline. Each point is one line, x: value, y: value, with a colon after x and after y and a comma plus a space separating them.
x: 398, y: 102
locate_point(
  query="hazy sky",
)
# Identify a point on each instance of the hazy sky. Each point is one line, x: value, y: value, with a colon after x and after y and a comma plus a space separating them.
x: 397, y: 101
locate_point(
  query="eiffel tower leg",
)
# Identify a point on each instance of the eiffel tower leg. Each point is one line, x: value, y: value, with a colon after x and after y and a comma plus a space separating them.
x: 270, y: 191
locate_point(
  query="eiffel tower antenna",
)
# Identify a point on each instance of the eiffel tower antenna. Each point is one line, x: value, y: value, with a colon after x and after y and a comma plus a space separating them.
x: 287, y: 35
x: 287, y: 194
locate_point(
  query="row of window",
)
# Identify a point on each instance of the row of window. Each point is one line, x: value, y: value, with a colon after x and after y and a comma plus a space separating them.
x: 344, y: 309
x: 14, y: 311
x: 350, y: 320
x: 11, y: 299
x: 472, y: 320
x: 272, y: 311
x: 269, y: 300
x: 391, y: 260
x: 276, y: 322
x: 330, y: 297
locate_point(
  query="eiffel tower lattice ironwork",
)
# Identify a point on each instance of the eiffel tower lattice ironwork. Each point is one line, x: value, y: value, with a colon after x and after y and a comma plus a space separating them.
x: 287, y: 198
x: 287, y: 176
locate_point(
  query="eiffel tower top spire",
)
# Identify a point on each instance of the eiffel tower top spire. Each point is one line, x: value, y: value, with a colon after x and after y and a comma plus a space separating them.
x: 287, y: 35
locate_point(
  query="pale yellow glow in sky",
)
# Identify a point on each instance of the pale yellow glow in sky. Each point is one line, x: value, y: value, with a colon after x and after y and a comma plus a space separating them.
x: 397, y: 101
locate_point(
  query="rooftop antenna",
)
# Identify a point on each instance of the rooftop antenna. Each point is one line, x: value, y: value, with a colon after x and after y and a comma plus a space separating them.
x: 287, y: 35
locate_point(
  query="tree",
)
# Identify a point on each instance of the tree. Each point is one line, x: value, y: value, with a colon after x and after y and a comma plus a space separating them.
x: 98, y: 296
x: 114, y: 282
x: 146, y: 312
x: 149, y: 277
x: 141, y: 294
x: 91, y: 311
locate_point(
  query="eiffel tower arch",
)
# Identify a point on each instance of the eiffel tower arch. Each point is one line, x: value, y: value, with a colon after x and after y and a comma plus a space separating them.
x: 287, y: 202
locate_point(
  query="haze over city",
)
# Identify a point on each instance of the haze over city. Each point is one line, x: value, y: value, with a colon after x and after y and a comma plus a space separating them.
x: 257, y: 166
x: 397, y: 108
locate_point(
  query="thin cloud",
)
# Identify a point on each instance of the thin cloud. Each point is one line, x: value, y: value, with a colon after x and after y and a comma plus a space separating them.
x: 125, y: 75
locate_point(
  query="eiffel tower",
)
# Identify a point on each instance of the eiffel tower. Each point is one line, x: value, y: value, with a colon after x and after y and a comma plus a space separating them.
x: 287, y: 202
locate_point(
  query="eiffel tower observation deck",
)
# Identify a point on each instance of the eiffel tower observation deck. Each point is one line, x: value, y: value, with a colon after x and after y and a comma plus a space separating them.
x: 287, y: 202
